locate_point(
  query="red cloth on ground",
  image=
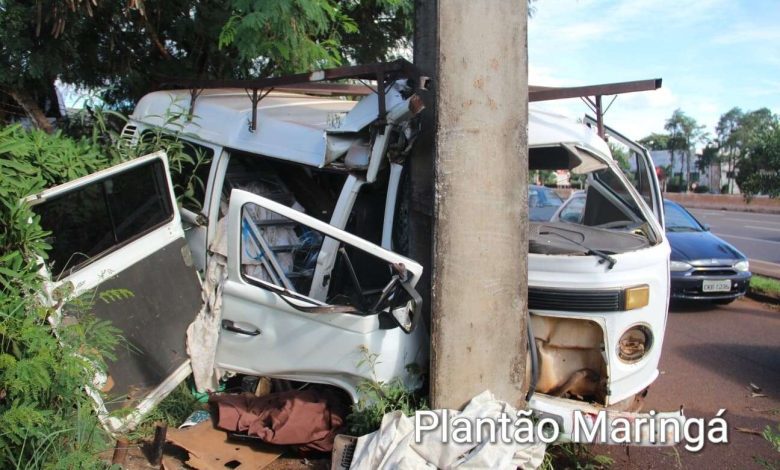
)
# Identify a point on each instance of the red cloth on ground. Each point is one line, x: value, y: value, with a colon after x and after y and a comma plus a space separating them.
x: 309, y: 419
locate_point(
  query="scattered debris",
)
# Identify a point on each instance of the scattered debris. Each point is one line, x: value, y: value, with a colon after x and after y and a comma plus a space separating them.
x: 749, y: 431
x: 196, y: 417
x: 766, y: 411
x: 757, y: 395
x: 210, y: 449
x: 343, y: 452
x: 754, y: 388
x: 156, y: 453
x: 120, y: 452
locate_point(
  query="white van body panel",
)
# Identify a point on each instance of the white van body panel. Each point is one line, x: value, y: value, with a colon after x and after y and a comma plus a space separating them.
x: 330, y: 348
x: 310, y: 130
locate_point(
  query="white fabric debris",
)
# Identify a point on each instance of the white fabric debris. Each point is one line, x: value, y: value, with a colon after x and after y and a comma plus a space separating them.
x: 203, y: 332
x: 393, y: 445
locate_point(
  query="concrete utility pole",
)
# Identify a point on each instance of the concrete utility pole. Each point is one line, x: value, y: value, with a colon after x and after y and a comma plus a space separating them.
x: 480, y: 247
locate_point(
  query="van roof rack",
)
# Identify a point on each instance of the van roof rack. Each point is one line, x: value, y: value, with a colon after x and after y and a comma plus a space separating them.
x: 384, y: 73
x: 591, y: 95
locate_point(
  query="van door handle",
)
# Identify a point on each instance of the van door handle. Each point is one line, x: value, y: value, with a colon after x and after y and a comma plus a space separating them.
x: 231, y: 326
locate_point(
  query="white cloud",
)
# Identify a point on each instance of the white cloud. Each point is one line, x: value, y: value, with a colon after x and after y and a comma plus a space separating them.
x: 565, y: 25
x: 544, y: 76
x: 749, y: 33
x: 586, y: 42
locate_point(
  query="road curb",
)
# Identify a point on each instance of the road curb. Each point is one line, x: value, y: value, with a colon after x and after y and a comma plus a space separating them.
x: 764, y: 268
x: 758, y: 296
x: 734, y: 208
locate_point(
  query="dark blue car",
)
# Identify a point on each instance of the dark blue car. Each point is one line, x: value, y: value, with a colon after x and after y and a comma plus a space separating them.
x: 703, y: 266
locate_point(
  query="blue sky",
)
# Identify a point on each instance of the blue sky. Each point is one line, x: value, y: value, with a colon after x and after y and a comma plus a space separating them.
x: 711, y: 54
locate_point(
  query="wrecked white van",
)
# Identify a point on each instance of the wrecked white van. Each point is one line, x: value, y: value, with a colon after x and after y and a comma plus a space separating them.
x: 296, y: 233
x: 598, y: 286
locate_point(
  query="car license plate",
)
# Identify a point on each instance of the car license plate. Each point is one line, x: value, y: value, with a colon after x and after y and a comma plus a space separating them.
x: 716, y: 286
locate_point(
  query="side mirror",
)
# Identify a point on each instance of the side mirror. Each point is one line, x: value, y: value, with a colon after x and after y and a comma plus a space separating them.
x: 402, y: 302
x: 707, y: 227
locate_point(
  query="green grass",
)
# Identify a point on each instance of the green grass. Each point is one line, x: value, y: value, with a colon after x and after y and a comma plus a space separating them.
x: 765, y: 285
x: 571, y: 455
x: 173, y: 410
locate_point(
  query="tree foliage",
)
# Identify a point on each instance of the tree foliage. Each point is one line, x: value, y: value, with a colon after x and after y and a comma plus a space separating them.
x: 47, y: 418
x: 286, y: 35
x: 741, y: 136
x: 127, y: 48
x: 759, y: 169
x: 655, y: 141
x: 683, y: 133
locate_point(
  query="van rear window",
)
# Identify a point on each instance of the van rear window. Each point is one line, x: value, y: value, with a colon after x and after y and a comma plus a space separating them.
x: 92, y: 220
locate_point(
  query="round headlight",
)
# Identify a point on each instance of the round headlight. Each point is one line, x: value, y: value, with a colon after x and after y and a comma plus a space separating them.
x: 742, y: 266
x: 679, y: 266
x: 635, y: 343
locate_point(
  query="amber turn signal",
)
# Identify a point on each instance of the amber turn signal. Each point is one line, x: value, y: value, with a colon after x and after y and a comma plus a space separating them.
x: 636, y: 297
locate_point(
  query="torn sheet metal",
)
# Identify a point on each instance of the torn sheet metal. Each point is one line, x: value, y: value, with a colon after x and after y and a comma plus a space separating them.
x: 393, y: 445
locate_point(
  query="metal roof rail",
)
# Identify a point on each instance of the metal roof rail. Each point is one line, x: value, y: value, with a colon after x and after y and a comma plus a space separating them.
x: 540, y: 93
x: 384, y: 73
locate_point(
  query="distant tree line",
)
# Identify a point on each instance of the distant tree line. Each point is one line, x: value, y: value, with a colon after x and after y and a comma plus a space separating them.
x: 746, y: 143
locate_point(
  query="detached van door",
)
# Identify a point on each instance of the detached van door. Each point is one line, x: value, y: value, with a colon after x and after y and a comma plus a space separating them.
x: 270, y: 327
x: 642, y: 172
x: 117, y: 233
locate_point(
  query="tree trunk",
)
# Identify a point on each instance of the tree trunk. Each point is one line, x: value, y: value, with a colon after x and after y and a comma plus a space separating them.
x: 731, y: 172
x: 30, y: 106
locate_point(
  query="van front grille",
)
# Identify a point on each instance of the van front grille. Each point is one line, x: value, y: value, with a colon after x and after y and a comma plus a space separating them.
x: 576, y: 300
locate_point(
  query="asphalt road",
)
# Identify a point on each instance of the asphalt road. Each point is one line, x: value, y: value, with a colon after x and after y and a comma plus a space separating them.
x: 710, y: 356
x: 756, y: 235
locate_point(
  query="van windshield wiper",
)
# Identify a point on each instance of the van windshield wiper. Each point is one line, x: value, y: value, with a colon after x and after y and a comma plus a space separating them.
x: 604, y: 257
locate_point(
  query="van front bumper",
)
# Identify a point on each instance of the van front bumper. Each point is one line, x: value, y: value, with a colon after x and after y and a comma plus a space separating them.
x: 575, y: 419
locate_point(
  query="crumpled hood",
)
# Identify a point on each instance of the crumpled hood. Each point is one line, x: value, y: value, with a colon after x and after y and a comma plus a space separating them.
x: 690, y: 246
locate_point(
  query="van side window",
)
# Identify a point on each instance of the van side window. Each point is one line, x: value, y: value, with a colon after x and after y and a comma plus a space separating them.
x: 189, y: 164
x: 282, y: 252
x: 103, y: 215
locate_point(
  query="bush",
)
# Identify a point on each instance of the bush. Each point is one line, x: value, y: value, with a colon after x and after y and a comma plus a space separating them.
x: 46, y: 418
